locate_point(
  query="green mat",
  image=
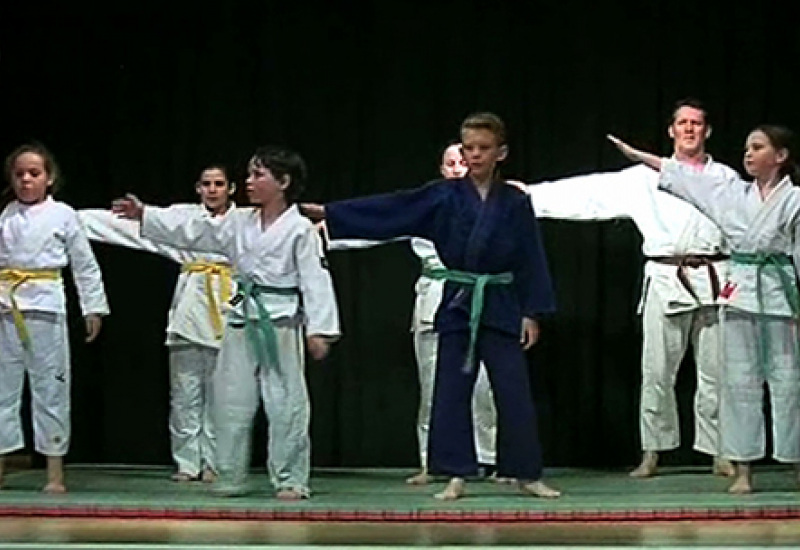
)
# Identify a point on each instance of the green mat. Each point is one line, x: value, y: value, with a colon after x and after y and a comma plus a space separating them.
x: 369, y: 494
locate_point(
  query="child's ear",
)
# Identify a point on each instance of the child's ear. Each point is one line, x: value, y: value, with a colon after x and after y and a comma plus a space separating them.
x: 503, y: 152
x: 231, y: 188
x: 197, y: 187
x: 286, y: 179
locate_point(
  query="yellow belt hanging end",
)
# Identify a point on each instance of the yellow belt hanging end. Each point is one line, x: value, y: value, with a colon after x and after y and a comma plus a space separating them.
x: 18, y: 277
x: 212, y: 269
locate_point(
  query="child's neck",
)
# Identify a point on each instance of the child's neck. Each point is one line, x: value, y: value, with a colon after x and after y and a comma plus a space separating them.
x: 482, y: 185
x: 272, y: 210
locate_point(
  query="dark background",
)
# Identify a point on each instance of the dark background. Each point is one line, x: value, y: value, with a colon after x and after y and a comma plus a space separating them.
x: 140, y: 96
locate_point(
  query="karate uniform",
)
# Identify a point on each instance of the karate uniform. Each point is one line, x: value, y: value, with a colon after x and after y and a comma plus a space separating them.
x: 492, y: 236
x: 672, y: 315
x: 284, y: 263
x: 760, y: 309
x: 40, y: 240
x: 193, y: 331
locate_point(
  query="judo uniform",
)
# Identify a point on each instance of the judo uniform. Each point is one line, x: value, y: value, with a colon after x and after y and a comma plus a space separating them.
x: 36, y: 242
x: 686, y: 254
x: 760, y: 308
x: 283, y: 282
x: 194, y: 331
x: 496, y: 237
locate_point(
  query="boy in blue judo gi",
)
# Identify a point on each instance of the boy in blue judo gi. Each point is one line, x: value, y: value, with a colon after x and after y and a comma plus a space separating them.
x: 497, y: 283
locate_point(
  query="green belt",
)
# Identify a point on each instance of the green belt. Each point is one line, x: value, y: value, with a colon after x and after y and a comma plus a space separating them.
x: 479, y: 282
x: 762, y: 260
x: 779, y: 261
x: 260, y: 332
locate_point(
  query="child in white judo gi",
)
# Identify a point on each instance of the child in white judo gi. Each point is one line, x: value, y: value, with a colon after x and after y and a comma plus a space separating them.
x: 196, y: 320
x: 285, y: 296
x: 761, y: 221
x: 40, y: 236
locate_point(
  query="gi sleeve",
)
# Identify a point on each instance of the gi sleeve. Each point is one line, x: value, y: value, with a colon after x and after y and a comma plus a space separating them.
x: 106, y: 227
x: 592, y: 197
x: 389, y: 216
x: 713, y: 195
x: 188, y: 229
x: 85, y: 270
x: 316, y: 286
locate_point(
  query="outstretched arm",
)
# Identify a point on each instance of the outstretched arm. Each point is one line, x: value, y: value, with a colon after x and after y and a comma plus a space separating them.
x: 651, y: 160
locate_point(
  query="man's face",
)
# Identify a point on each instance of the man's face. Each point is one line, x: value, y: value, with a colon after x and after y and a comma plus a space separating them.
x: 689, y: 131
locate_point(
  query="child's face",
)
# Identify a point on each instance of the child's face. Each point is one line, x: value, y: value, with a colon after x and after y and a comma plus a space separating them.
x: 481, y: 152
x: 262, y: 187
x: 761, y: 159
x: 213, y: 189
x: 30, y: 179
x: 453, y: 163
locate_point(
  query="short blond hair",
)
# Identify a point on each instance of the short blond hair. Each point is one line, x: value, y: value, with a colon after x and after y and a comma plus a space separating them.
x: 486, y: 121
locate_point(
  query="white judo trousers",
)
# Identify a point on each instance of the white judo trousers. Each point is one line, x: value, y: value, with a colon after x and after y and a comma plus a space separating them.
x: 191, y: 423
x: 193, y: 345
x: 760, y: 338
x: 283, y: 392
x: 672, y: 318
x: 744, y: 376
x: 665, y: 342
x: 46, y: 364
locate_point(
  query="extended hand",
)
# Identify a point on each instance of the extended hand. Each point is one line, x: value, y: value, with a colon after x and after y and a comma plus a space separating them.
x: 318, y: 346
x: 625, y: 149
x: 314, y: 211
x: 93, y: 324
x: 128, y: 207
x: 636, y: 155
x: 530, y: 333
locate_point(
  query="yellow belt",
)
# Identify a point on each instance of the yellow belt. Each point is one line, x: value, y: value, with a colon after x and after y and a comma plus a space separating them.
x: 18, y: 277
x: 221, y: 270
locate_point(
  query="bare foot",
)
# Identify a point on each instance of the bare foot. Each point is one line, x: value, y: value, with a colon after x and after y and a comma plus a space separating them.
x: 422, y: 478
x: 743, y: 484
x: 723, y: 467
x: 182, y: 477
x: 648, y: 467
x: 503, y: 480
x: 453, y: 491
x: 54, y: 488
x: 208, y: 476
x: 290, y: 494
x: 539, y: 489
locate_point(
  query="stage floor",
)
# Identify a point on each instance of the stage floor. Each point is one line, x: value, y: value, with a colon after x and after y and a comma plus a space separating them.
x: 382, y: 495
x: 130, y: 507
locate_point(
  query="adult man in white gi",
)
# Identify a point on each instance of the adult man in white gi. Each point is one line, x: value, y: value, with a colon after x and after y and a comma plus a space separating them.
x: 686, y: 258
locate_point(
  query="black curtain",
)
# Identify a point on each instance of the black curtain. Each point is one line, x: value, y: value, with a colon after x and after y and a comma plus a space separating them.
x: 138, y: 97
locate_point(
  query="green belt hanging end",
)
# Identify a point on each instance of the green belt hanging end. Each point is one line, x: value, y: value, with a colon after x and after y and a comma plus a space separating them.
x: 260, y: 332
x: 478, y: 282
